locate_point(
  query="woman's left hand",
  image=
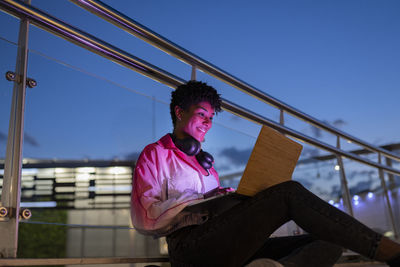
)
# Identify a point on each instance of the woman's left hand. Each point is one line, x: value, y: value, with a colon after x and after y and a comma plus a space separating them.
x: 225, y: 190
x: 218, y: 191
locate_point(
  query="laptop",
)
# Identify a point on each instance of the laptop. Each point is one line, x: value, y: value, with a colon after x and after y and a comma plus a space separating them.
x: 272, y: 161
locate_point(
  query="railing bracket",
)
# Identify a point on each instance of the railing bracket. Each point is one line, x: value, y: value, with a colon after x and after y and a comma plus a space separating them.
x: 7, y: 213
x: 12, y: 77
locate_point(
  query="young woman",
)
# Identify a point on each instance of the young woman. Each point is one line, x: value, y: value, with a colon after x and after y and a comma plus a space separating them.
x: 174, y: 172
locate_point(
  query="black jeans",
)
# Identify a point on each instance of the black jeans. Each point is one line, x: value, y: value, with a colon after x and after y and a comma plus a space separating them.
x: 241, y: 234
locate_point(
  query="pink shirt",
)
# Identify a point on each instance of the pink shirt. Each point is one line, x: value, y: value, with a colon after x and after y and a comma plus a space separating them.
x: 165, y: 181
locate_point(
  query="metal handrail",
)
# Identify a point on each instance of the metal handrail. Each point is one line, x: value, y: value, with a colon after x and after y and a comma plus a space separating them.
x: 241, y: 111
x: 83, y: 39
x: 131, y: 26
x: 87, y: 41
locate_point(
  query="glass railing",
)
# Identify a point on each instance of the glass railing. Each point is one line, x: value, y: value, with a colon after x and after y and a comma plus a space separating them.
x: 75, y: 114
x: 368, y: 196
x: 84, y: 112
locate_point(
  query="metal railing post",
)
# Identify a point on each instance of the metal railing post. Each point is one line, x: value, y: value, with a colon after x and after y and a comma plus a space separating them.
x: 343, y: 181
x: 282, y: 117
x: 391, y: 179
x: 193, y: 75
x: 11, y: 191
x: 386, y: 194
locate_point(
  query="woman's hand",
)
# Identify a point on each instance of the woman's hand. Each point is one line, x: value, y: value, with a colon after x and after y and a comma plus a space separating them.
x: 218, y: 191
x: 225, y: 190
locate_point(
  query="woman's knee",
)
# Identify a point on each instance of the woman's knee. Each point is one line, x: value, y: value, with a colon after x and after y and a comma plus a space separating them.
x: 285, y: 187
x: 290, y: 186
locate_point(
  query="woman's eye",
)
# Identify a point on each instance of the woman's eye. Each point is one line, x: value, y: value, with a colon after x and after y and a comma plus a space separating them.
x: 201, y: 114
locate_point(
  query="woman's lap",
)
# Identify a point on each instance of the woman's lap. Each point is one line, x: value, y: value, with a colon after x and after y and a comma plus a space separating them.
x: 234, y: 237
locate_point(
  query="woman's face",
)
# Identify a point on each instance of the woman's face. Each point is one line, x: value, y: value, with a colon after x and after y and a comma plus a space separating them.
x: 195, y: 122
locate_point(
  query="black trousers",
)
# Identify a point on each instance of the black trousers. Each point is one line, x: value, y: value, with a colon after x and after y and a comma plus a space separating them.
x: 241, y: 233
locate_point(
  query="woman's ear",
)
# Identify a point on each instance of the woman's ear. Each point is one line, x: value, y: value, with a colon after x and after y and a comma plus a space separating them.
x: 178, y: 112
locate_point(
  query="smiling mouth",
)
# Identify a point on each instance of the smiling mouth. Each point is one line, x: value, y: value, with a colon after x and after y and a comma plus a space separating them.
x: 202, y: 130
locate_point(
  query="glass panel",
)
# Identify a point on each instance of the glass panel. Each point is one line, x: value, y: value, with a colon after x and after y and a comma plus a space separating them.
x: 43, y: 240
x: 316, y: 171
x: 102, y: 29
x: 74, y: 115
x: 242, y: 99
x: 368, y: 200
x: 8, y: 54
x: 115, y: 238
x: 312, y: 131
x: 9, y: 33
x: 83, y: 133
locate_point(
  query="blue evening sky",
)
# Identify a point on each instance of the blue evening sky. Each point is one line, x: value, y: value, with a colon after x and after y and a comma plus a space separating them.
x: 338, y: 61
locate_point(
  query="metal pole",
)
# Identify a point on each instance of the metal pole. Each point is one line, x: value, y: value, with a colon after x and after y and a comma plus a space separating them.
x: 388, y: 204
x: 394, y: 195
x: 392, y: 184
x: 11, y: 191
x: 193, y: 76
x: 153, y: 99
x: 343, y: 181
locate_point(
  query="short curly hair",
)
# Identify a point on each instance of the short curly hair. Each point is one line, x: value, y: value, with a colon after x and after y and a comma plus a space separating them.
x: 192, y: 93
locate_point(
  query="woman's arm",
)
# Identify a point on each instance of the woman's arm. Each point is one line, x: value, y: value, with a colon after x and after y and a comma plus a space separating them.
x: 150, y: 204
